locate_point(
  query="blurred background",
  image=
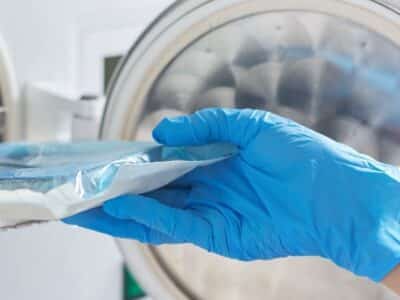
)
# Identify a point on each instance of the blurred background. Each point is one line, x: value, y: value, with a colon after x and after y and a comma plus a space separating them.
x: 59, y: 47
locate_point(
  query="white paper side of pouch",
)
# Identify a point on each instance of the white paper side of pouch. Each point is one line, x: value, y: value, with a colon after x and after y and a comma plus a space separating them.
x: 21, y: 206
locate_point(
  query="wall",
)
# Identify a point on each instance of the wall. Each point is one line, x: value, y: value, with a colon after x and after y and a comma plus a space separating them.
x: 54, y: 261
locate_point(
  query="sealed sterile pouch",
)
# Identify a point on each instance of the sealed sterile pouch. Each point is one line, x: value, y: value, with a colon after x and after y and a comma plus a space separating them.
x: 43, y: 182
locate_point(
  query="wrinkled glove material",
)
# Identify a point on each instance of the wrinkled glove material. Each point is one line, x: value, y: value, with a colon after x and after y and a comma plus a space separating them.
x: 289, y: 192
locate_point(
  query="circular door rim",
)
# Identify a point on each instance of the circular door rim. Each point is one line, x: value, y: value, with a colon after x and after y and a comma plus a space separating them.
x: 140, y: 258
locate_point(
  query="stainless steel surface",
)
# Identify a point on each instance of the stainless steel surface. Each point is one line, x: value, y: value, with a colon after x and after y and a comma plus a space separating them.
x: 293, y: 64
x: 321, y: 68
x: 343, y: 85
x: 278, y: 63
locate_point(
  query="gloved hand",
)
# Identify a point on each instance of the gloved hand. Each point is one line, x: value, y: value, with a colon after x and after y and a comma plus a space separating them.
x: 289, y: 192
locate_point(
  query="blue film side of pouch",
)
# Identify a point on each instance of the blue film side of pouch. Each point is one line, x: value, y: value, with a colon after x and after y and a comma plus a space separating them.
x: 93, y: 165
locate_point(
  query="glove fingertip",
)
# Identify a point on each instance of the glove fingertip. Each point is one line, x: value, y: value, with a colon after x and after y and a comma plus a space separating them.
x: 165, y: 128
x: 172, y: 131
x: 159, y: 133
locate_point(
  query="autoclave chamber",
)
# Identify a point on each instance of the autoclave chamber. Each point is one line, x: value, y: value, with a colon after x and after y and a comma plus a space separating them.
x: 332, y: 65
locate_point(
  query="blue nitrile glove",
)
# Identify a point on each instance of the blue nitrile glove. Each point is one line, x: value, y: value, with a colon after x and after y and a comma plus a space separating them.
x: 289, y: 192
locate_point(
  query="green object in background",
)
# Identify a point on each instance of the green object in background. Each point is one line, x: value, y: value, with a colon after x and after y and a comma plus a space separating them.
x: 132, y: 290
x: 109, y: 66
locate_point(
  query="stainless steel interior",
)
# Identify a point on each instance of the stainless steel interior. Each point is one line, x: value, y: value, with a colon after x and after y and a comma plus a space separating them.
x: 295, y: 64
x: 328, y: 74
x: 324, y: 71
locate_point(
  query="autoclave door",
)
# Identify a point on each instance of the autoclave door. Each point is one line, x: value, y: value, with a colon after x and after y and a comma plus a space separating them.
x: 330, y: 65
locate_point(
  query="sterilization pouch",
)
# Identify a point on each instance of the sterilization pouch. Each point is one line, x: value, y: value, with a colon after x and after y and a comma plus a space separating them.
x: 42, y: 182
